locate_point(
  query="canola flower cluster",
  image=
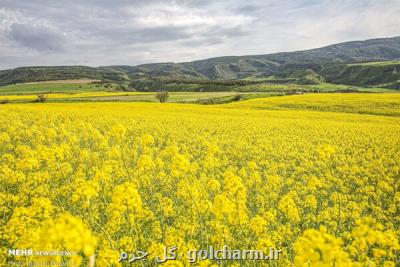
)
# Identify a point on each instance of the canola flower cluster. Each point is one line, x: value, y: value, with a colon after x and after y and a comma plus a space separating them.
x: 109, y: 177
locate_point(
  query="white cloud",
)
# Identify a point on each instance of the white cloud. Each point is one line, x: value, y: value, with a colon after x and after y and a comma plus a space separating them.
x: 174, y: 15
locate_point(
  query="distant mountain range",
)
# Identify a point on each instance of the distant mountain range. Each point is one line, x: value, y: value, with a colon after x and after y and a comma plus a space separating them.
x: 344, y: 63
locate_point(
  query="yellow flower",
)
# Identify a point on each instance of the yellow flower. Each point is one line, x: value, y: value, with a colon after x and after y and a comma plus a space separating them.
x: 288, y: 207
x: 318, y: 248
x: 257, y: 224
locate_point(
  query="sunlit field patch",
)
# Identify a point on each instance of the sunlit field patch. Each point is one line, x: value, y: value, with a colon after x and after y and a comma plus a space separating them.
x: 378, y: 104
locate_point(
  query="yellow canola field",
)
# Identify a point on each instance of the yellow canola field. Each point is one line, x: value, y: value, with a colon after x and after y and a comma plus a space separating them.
x: 101, y: 178
x: 377, y: 104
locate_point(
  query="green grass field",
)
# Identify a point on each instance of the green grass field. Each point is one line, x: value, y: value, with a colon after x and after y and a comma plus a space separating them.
x: 57, y: 87
x: 275, y: 87
x: 27, y: 88
x: 74, y: 91
x: 103, y: 96
x: 377, y: 63
x: 62, y: 86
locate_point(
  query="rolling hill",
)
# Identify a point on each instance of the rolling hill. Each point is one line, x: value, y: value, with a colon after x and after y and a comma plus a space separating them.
x: 338, y: 63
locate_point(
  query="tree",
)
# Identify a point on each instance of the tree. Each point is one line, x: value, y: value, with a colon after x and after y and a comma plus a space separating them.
x: 162, y: 96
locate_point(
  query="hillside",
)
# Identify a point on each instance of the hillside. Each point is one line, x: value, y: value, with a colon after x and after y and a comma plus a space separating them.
x: 34, y: 74
x: 385, y: 74
x: 334, y: 63
x: 279, y: 65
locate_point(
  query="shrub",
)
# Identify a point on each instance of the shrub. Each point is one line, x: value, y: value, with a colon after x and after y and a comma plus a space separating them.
x: 4, y: 101
x: 41, y: 98
x: 237, y: 97
x: 162, y: 96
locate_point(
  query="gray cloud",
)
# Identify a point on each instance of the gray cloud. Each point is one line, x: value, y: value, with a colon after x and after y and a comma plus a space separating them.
x: 248, y: 9
x: 37, y: 37
x: 100, y: 32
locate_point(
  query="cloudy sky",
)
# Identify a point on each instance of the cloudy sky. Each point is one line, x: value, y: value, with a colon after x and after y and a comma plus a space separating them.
x: 131, y: 32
